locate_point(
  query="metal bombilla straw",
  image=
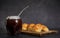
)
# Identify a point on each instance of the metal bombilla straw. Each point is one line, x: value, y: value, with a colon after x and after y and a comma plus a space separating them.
x: 23, y: 10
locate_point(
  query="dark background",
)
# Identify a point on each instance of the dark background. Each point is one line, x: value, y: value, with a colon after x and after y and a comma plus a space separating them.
x: 46, y: 12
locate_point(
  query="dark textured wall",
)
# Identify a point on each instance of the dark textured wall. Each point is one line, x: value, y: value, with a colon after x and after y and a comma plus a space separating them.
x: 46, y: 12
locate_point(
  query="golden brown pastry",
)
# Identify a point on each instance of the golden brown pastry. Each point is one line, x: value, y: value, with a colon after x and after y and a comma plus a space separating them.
x: 30, y: 27
x: 38, y: 28
x: 45, y: 28
x: 35, y: 27
x: 24, y: 26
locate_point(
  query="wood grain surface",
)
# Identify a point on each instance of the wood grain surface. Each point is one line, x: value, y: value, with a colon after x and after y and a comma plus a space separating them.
x: 40, y: 33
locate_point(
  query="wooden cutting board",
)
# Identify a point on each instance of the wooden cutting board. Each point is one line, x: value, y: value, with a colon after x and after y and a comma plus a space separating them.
x: 39, y: 33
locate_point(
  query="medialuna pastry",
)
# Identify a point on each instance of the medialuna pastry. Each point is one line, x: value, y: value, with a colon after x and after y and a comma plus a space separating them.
x: 34, y: 27
x: 24, y: 26
x: 38, y: 28
x: 30, y: 27
x: 45, y: 28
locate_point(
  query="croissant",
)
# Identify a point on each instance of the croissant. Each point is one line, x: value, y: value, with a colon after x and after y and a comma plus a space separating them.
x: 45, y: 28
x: 24, y: 26
x: 37, y: 28
x: 30, y: 27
